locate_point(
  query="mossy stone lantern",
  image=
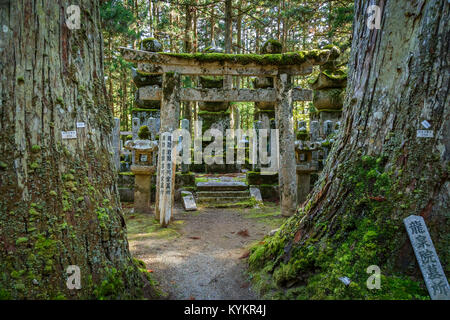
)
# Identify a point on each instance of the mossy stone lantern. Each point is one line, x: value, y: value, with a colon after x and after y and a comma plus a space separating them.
x: 143, y: 170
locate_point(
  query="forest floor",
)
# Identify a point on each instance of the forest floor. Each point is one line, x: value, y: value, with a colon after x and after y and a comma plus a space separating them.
x: 201, y: 255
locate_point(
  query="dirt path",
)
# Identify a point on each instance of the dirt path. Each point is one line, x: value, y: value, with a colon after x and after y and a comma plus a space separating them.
x: 198, y: 256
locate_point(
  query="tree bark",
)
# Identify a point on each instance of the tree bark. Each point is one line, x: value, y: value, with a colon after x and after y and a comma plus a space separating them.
x: 59, y: 204
x: 228, y: 26
x: 379, y: 171
x: 188, y: 30
x: 213, y: 24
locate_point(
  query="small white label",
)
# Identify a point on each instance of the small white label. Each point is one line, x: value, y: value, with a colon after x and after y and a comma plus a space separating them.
x: 345, y: 280
x: 425, y: 133
x: 80, y: 125
x: 69, y: 134
x: 426, y: 124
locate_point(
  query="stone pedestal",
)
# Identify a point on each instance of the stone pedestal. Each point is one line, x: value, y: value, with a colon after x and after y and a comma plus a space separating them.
x: 142, y: 188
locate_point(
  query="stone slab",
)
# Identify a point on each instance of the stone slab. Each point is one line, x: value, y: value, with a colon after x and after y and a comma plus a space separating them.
x: 256, y: 193
x: 188, y: 201
x: 216, y: 186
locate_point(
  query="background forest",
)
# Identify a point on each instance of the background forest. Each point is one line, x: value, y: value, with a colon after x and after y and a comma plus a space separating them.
x: 236, y: 26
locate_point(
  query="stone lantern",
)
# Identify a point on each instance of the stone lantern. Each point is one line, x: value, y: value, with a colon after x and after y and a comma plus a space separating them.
x: 143, y: 168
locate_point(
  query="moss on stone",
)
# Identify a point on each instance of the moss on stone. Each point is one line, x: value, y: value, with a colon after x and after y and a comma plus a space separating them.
x: 256, y: 178
x: 301, y: 135
x: 272, y: 46
x: 214, y: 113
x: 335, y: 51
x: 210, y: 82
x: 151, y: 44
x: 144, y: 110
x: 126, y: 173
x: 289, y: 58
x: 144, y: 132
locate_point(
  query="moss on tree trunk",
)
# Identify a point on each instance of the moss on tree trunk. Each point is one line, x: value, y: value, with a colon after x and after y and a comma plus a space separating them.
x: 378, y: 172
x: 59, y: 204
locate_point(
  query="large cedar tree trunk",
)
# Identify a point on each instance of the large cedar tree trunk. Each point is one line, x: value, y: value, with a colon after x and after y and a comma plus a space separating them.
x: 59, y: 203
x: 379, y: 171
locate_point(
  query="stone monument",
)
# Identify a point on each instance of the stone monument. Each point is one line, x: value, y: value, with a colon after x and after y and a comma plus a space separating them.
x: 426, y: 255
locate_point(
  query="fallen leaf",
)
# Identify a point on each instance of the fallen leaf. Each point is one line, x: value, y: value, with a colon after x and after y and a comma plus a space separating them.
x: 378, y: 198
x: 150, y: 270
x: 297, y: 236
x: 245, y: 285
x: 243, y: 233
x: 195, y: 238
x: 245, y: 254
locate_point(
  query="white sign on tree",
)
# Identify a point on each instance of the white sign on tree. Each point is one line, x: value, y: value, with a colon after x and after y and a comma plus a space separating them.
x: 166, y: 178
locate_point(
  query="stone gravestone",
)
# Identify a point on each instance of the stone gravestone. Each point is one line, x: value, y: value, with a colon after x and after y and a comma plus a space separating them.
x: 153, y: 126
x: 188, y: 201
x: 166, y: 178
x: 135, y: 125
x: 427, y: 258
x: 327, y: 128
x: 185, y: 126
x: 256, y: 194
x: 301, y: 125
x: 314, y: 130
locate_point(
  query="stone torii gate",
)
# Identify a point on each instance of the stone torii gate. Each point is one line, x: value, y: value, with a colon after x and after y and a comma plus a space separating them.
x: 279, y: 66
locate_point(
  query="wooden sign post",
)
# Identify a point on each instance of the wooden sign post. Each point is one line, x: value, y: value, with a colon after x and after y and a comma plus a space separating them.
x: 166, y: 178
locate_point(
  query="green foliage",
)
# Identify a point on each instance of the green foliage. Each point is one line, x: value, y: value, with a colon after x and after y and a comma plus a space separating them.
x: 103, y: 216
x: 35, y: 149
x: 21, y: 240
x: 111, y: 286
x: 116, y: 18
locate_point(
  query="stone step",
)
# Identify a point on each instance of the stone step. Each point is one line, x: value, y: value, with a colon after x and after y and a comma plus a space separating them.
x: 224, y: 202
x: 222, y: 186
x: 219, y: 194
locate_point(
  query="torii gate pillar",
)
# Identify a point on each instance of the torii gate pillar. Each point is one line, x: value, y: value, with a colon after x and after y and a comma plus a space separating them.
x: 170, y: 118
x: 285, y: 124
